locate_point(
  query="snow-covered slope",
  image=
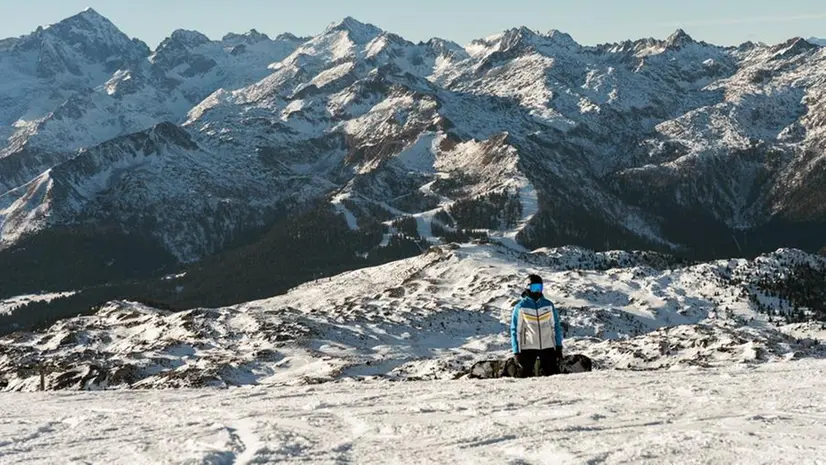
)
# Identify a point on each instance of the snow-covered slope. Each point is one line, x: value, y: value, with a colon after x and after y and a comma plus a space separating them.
x: 8, y: 306
x: 41, y: 70
x: 186, y: 68
x: 78, y: 102
x: 628, y: 139
x: 423, y: 318
x: 733, y: 415
x: 187, y: 197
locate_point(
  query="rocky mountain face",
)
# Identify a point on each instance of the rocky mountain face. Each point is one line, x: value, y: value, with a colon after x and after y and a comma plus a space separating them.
x: 525, y: 138
x: 82, y: 82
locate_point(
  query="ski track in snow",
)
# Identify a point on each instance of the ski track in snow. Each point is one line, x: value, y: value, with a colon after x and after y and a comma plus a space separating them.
x: 734, y: 415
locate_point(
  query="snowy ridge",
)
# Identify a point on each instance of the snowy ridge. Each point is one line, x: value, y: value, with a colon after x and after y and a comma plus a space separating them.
x: 695, y: 98
x: 75, y: 54
x: 203, y: 207
x: 10, y: 305
x: 132, y: 91
x: 428, y: 317
x: 184, y: 69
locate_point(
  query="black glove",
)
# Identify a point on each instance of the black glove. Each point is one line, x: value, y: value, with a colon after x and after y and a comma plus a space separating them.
x: 558, y: 353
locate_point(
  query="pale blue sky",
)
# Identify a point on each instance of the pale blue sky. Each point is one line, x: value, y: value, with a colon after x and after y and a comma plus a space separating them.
x: 588, y: 21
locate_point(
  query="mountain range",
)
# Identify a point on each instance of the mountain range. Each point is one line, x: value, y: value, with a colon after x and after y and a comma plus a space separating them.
x: 253, y: 163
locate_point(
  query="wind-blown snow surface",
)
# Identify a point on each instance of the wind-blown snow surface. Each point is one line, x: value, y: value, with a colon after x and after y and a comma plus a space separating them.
x: 428, y: 317
x: 734, y: 415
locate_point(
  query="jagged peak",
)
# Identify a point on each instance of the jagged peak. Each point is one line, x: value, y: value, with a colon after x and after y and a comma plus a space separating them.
x: 172, y: 133
x: 251, y: 36
x: 526, y: 36
x: 88, y: 33
x: 163, y: 133
x: 444, y: 45
x: 290, y: 37
x: 188, y: 37
x: 509, y: 38
x: 88, y: 17
x: 359, y: 32
x: 347, y: 22
x: 522, y: 31
x: 748, y: 46
x: 793, y: 46
x: 89, y: 11
x: 561, y: 38
x: 679, y: 39
x: 439, y: 42
x: 798, y: 40
x: 255, y: 34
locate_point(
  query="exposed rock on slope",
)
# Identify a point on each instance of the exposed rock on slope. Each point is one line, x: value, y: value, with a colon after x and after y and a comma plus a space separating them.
x: 427, y: 317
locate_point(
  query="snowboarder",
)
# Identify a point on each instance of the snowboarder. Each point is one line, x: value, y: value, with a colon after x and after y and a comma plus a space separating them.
x: 536, y: 332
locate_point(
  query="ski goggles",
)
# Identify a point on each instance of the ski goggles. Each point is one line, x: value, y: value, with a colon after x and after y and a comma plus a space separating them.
x: 536, y: 287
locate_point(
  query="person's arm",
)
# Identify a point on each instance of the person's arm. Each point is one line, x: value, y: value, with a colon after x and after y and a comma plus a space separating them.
x: 557, y: 327
x: 515, y: 321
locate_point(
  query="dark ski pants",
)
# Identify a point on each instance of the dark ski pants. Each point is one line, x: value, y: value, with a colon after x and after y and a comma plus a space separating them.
x: 548, y: 364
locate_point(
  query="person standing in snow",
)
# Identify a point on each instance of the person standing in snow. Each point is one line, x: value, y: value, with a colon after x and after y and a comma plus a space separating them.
x: 536, y: 332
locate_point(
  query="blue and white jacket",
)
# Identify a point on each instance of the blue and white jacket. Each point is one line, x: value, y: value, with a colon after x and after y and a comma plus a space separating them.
x: 535, y: 325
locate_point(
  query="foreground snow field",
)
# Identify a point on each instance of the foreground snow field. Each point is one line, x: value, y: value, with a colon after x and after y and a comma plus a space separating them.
x: 774, y: 413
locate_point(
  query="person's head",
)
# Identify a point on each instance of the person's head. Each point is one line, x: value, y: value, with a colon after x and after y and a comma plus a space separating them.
x: 535, y: 286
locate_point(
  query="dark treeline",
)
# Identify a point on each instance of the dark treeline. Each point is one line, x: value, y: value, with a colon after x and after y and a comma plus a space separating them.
x: 74, y: 258
x: 491, y: 211
x: 804, y: 287
x: 315, y: 244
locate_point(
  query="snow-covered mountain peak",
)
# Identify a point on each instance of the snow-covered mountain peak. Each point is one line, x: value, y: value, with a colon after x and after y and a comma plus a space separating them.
x: 41, y: 70
x: 343, y: 40
x: 80, y: 48
x: 438, y: 42
x: 187, y: 37
x: 561, y: 38
x: 447, y: 49
x: 91, y: 33
x: 90, y: 14
x: 360, y: 33
x: 520, y: 41
x: 679, y: 39
x: 90, y: 17
x: 290, y: 37
x: 518, y: 35
x: 253, y: 36
x: 792, y: 47
x: 501, y: 42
